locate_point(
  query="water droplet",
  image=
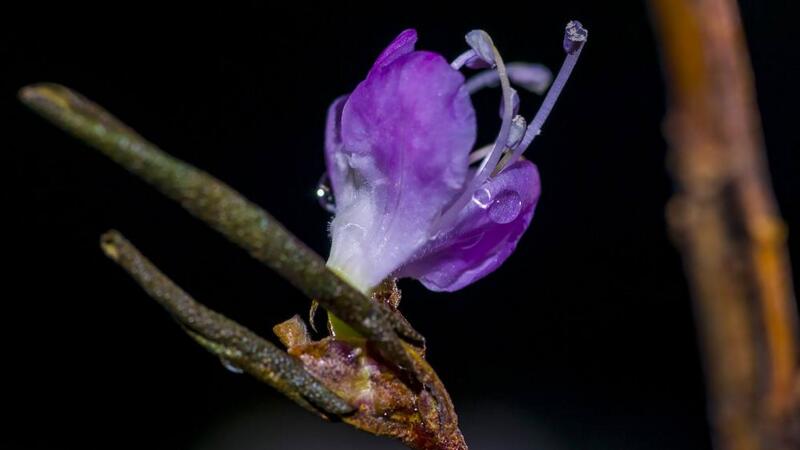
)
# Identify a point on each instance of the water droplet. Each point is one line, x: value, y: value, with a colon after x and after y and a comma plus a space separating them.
x: 482, y: 197
x: 505, y: 208
x: 231, y: 367
x: 324, y: 194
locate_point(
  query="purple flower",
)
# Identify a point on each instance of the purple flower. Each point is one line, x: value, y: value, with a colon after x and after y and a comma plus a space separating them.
x: 398, y: 152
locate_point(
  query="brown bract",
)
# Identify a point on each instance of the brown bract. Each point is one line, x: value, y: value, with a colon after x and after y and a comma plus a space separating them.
x: 387, y: 403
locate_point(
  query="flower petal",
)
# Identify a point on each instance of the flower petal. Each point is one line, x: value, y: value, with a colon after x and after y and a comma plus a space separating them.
x: 404, y: 43
x: 336, y: 166
x: 486, y: 233
x: 406, y: 133
x: 412, y: 117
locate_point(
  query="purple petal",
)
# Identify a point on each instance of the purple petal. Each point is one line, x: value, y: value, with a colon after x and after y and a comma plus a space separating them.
x: 406, y: 134
x: 413, y: 118
x: 337, y: 168
x: 487, y: 232
x: 401, y: 45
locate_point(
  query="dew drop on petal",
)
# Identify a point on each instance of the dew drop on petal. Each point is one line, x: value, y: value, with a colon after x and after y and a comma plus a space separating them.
x: 324, y: 194
x: 231, y: 367
x: 505, y: 208
x: 482, y: 197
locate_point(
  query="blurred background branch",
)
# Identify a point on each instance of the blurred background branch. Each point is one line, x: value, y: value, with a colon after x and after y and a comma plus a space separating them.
x: 725, y: 221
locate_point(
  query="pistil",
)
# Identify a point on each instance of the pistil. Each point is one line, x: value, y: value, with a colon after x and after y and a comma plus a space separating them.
x: 574, y: 39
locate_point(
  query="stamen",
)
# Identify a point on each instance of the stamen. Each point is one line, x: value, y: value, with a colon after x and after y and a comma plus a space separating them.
x: 514, y: 103
x: 515, y: 134
x: 462, y: 59
x: 531, y: 77
x: 508, y: 138
x: 479, y: 154
x: 480, y: 41
x: 483, y: 46
x: 574, y: 39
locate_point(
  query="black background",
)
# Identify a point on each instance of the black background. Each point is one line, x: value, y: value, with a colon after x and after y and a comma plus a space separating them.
x: 583, y: 339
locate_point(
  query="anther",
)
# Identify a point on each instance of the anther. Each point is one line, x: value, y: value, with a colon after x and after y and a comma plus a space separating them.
x: 485, y: 53
x: 517, y: 131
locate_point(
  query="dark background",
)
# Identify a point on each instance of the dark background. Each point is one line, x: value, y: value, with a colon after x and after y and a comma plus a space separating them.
x: 583, y: 339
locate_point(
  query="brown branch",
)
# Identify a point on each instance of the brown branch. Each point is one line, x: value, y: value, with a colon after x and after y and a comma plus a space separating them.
x: 330, y: 378
x: 430, y: 423
x: 224, y: 337
x: 725, y: 222
x: 225, y: 210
